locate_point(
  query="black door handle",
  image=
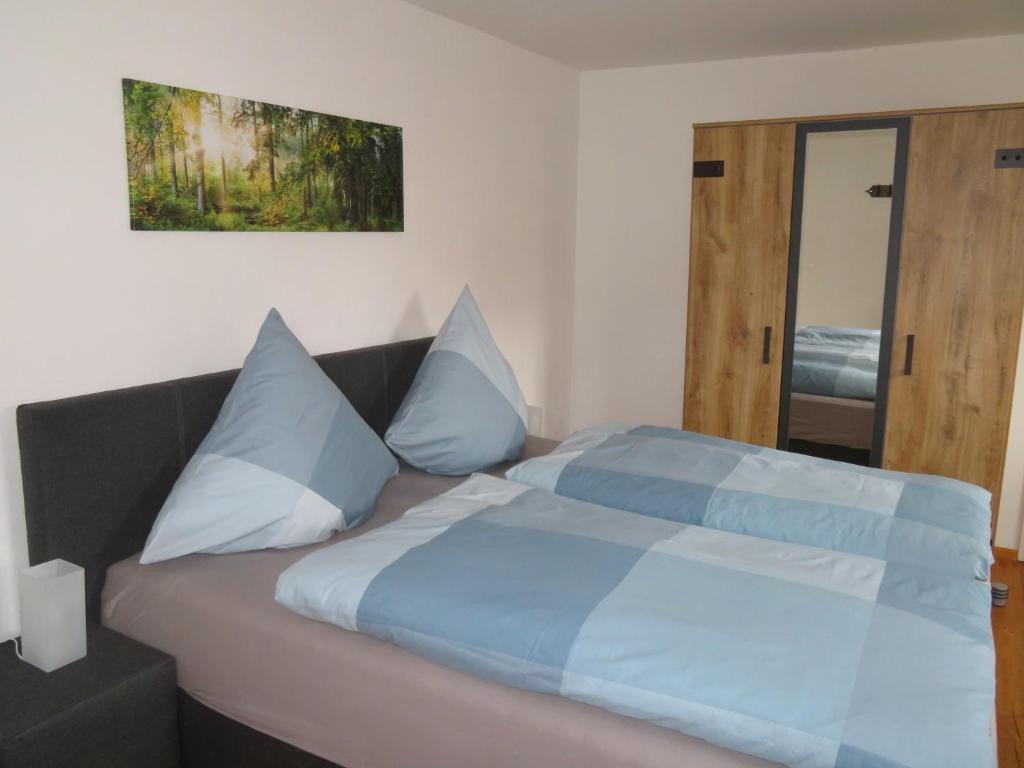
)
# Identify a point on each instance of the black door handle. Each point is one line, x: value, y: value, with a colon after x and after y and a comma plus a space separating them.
x: 908, y: 361
x: 766, y: 353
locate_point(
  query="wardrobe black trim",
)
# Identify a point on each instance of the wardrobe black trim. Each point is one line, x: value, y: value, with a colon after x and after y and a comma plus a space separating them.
x: 892, y: 267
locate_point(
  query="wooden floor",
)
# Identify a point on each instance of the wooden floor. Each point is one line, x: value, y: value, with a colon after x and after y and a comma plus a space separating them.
x: 1008, y: 624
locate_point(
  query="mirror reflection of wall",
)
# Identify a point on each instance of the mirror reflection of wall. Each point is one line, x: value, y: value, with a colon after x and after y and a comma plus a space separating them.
x: 844, y: 238
x: 843, y: 252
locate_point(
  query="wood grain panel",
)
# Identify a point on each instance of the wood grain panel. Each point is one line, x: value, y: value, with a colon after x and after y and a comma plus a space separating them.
x: 961, y: 294
x: 861, y: 115
x: 739, y: 251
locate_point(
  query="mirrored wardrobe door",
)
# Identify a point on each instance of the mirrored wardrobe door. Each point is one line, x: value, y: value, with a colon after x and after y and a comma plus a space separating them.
x: 844, y: 253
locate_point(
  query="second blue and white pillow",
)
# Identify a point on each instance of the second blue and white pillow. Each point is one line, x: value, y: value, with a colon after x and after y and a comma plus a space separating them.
x: 464, y: 411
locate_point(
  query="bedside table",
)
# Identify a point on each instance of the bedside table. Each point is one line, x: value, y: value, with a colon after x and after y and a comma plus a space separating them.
x: 115, y: 708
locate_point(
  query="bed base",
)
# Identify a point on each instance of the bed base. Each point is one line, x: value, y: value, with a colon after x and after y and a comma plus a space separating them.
x: 212, y: 740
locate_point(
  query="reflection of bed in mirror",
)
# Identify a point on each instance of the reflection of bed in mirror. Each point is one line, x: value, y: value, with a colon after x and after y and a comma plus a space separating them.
x: 831, y: 420
x: 835, y: 372
x: 836, y: 362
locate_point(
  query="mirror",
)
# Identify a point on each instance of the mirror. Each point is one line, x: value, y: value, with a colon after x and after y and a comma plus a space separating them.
x: 836, y: 318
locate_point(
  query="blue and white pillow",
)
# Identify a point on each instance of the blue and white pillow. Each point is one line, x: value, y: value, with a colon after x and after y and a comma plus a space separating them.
x: 464, y: 411
x: 287, y: 462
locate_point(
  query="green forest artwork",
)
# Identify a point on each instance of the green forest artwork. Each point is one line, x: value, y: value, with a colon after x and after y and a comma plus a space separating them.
x: 200, y: 161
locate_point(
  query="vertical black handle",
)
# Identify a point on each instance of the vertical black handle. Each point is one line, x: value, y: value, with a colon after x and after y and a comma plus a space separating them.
x: 908, y: 361
x: 766, y: 353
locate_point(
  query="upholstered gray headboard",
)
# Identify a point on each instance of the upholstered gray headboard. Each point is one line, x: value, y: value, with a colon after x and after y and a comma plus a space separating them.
x: 97, y: 468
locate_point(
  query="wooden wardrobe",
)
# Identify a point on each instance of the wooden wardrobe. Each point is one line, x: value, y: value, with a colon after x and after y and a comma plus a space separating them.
x: 959, y: 300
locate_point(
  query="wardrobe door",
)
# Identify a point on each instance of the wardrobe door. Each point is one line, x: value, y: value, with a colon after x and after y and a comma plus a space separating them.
x: 961, y: 297
x: 739, y: 251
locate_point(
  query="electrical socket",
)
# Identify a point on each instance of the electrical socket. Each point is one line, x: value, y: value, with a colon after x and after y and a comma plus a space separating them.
x: 1010, y: 158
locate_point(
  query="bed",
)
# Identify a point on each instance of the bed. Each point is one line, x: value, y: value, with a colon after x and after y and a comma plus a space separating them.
x: 832, y: 393
x: 96, y: 470
x: 393, y: 704
x: 261, y: 685
x: 834, y: 361
x: 831, y: 420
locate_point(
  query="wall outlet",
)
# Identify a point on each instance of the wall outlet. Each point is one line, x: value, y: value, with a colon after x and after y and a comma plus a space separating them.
x: 1010, y: 158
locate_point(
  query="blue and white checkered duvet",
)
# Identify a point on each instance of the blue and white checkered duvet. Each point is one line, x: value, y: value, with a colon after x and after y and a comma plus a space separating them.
x: 919, y: 520
x: 834, y: 361
x: 799, y: 655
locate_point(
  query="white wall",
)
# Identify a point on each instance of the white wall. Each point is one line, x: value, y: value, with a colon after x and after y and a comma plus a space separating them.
x: 491, y: 176
x: 87, y: 305
x: 844, y: 233
x: 633, y: 215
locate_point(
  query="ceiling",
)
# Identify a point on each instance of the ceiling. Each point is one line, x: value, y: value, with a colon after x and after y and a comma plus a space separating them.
x: 601, y: 34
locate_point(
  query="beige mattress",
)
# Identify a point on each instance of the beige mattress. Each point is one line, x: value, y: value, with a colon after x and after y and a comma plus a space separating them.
x: 356, y: 700
x: 831, y: 420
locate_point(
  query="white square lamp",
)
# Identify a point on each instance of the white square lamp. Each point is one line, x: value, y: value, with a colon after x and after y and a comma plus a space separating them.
x: 52, y: 609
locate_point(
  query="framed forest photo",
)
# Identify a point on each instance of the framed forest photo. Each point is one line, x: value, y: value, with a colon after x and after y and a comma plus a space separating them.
x: 201, y: 161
